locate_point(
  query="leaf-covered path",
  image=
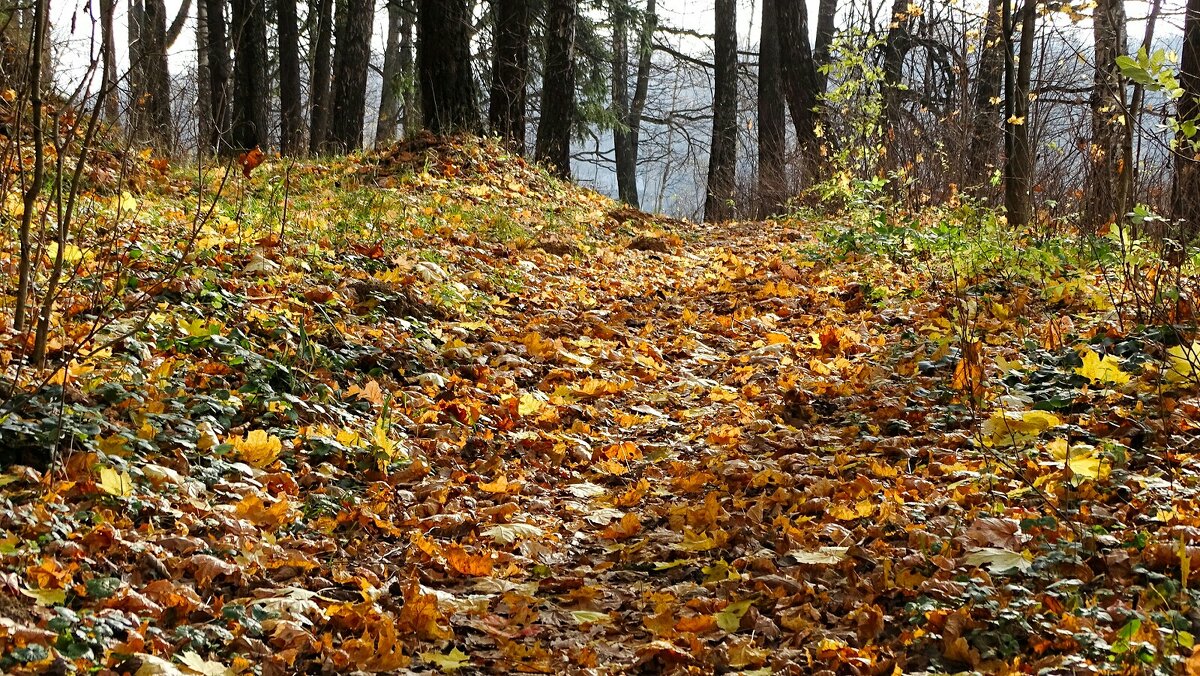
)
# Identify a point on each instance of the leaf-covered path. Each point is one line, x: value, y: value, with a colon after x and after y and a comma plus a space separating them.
x: 604, y: 447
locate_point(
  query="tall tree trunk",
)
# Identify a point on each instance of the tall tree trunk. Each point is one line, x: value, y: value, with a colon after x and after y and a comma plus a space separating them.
x: 553, y: 147
x: 510, y: 73
x: 801, y: 85
x: 826, y: 28
x: 626, y: 160
x: 318, y: 127
x: 389, y: 91
x: 1018, y: 184
x: 772, y: 177
x: 722, y: 160
x: 204, y: 120
x: 150, y: 76
x: 219, y: 68
x: 448, y: 98
x: 291, y: 112
x: 351, y: 60
x: 1186, y: 191
x: 111, y: 100
x: 895, y: 49
x: 250, y: 83
x: 1105, y: 203
x: 987, y: 124
x: 641, y: 85
x: 409, y: 92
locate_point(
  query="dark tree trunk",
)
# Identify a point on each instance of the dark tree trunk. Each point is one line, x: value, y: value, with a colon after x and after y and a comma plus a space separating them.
x: 389, y: 92
x: 626, y: 159
x: 772, y: 132
x: 510, y: 72
x: 250, y: 83
x: 1105, y: 203
x: 801, y: 86
x: 641, y: 85
x: 826, y: 16
x: 448, y: 98
x: 410, y: 93
x: 722, y: 160
x: 318, y: 127
x: 553, y: 146
x: 1186, y: 191
x: 895, y: 49
x: 291, y: 111
x: 987, y: 124
x: 111, y: 100
x: 150, y: 76
x: 220, y: 100
x: 1018, y: 184
x: 351, y: 60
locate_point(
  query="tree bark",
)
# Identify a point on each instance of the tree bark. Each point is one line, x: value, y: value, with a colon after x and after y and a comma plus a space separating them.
x: 1018, y: 184
x: 351, y: 60
x: 641, y: 85
x: 448, y: 97
x: 826, y: 16
x: 1105, y: 202
x: 389, y: 92
x: 510, y: 73
x: 722, y: 160
x: 772, y: 176
x: 220, y: 100
x: 1136, y: 103
x: 626, y: 160
x: 801, y: 86
x: 987, y: 124
x: 895, y: 49
x: 319, y: 93
x: 410, y: 92
x: 250, y: 82
x: 1186, y: 190
x: 150, y: 75
x: 553, y: 147
x: 291, y: 112
x: 109, y: 94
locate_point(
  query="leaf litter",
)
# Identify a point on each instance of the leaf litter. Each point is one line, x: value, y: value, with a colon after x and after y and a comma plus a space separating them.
x: 497, y: 424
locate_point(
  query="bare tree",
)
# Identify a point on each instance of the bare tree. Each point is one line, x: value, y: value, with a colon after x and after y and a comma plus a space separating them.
x: 1019, y: 159
x: 1105, y: 201
x: 722, y: 159
x: 772, y: 132
x: 1186, y: 190
x: 986, y: 124
x: 553, y: 147
x: 322, y: 76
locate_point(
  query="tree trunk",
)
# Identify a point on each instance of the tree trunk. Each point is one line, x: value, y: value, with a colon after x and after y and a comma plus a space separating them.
x: 626, y: 160
x: 826, y: 16
x: 220, y: 101
x: 895, y: 49
x: 318, y: 127
x: 722, y: 160
x: 772, y: 177
x: 987, y: 123
x: 553, y: 146
x: 389, y: 91
x: 250, y: 82
x: 1186, y: 191
x: 510, y: 72
x: 641, y: 86
x: 351, y: 60
x: 150, y: 75
x: 204, y: 120
x: 1136, y: 102
x: 109, y: 94
x: 410, y: 93
x: 1104, y: 202
x: 448, y: 99
x: 1018, y: 184
x: 801, y: 86
x: 291, y: 112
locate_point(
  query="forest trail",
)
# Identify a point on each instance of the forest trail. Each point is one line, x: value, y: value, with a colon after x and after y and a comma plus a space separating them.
x: 468, y: 419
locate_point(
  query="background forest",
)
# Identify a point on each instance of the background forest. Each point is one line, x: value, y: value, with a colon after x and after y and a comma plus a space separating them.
x: 665, y: 106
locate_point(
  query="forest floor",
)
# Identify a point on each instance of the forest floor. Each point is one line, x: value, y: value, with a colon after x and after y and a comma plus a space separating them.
x: 432, y: 411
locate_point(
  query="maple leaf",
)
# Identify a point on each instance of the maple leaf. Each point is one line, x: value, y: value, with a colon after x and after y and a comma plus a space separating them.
x: 250, y: 160
x: 257, y: 448
x: 1098, y: 370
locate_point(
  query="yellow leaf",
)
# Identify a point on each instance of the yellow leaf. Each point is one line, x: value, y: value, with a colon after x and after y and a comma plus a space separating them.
x: 1182, y: 362
x: 529, y: 404
x: 1008, y: 428
x: 257, y: 448
x: 116, y: 484
x: 125, y: 202
x: 451, y: 661
x: 1106, y: 370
